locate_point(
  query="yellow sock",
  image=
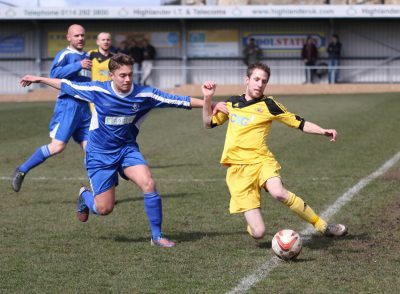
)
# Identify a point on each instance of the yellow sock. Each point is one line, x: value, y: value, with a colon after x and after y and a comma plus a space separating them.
x: 298, y: 206
x: 249, y: 231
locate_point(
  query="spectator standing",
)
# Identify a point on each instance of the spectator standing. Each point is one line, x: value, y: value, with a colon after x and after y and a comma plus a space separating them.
x: 334, y: 51
x: 251, y: 52
x: 137, y: 54
x: 123, y: 48
x: 309, y: 53
x: 149, y: 53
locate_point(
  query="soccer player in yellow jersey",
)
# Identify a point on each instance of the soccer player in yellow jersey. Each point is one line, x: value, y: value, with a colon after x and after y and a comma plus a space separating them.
x: 251, y: 165
x: 101, y: 57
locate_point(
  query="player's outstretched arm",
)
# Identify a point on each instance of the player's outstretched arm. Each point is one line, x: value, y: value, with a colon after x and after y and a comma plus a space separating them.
x: 196, y: 102
x: 28, y: 80
x: 312, y: 128
x: 219, y: 107
x: 208, y: 89
x: 215, y: 106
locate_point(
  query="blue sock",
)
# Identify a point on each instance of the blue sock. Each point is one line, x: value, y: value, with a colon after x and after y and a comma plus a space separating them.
x: 38, y: 157
x: 89, y: 201
x: 153, y: 207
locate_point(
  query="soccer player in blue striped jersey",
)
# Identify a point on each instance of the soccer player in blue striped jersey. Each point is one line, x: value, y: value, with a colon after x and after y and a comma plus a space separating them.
x: 121, y: 108
x: 71, y: 117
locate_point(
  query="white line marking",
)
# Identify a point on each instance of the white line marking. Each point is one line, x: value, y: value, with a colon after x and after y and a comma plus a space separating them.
x: 85, y: 178
x: 48, y: 178
x: 43, y: 178
x: 262, y: 272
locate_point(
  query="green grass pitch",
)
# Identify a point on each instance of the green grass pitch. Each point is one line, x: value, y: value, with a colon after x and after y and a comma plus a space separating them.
x: 44, y: 249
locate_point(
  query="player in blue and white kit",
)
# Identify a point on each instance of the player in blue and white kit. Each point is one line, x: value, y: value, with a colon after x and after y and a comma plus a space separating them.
x: 71, y: 117
x: 121, y: 108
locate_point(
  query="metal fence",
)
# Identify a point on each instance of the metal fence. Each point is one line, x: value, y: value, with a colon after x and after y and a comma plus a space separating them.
x: 167, y: 77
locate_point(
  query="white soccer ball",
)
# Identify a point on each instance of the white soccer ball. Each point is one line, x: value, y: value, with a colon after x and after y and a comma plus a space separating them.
x: 287, y: 244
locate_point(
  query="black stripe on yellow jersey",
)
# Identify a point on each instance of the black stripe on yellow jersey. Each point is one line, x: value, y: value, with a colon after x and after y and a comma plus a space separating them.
x: 249, y: 126
x: 100, y: 65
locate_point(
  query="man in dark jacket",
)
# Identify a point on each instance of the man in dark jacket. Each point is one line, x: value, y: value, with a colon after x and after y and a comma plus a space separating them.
x: 309, y: 53
x: 149, y: 53
x: 136, y: 52
x: 334, y: 49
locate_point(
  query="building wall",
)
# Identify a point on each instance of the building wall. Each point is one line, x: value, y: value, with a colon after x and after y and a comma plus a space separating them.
x: 366, y: 43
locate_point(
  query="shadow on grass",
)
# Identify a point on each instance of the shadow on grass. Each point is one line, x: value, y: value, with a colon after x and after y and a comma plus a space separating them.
x: 263, y: 245
x: 179, y: 238
x: 119, y: 201
x: 322, y: 242
x: 300, y: 260
x: 193, y: 236
x: 134, y: 199
x: 124, y: 239
x: 172, y: 165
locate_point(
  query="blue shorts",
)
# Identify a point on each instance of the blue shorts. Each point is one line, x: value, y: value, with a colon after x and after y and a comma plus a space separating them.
x: 103, y: 168
x: 71, y: 118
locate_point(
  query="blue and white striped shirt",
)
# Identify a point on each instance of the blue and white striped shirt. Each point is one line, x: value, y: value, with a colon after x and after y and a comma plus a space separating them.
x: 118, y: 117
x: 67, y: 65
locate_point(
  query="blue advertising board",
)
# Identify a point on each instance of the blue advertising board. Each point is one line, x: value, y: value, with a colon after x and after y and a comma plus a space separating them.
x: 12, y: 44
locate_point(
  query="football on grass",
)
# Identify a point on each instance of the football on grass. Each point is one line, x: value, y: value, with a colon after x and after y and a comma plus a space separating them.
x: 287, y: 244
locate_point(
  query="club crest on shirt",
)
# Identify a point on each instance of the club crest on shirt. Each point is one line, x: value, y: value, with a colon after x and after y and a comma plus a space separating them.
x: 135, y: 106
x: 259, y: 109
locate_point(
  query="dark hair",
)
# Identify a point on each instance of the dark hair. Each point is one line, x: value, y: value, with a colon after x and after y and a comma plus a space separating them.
x: 258, y: 65
x: 118, y: 60
x: 335, y: 36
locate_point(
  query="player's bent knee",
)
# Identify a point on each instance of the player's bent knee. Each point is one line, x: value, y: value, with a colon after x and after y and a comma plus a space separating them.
x: 280, y: 198
x: 104, y: 209
x: 148, y: 185
x: 56, y: 148
x: 258, y: 233
x: 279, y: 195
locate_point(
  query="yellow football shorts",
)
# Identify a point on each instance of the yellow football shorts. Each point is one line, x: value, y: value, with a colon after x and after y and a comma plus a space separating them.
x: 245, y: 182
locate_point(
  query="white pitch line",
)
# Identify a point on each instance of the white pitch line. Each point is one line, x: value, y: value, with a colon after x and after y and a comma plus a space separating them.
x: 84, y: 179
x: 48, y: 178
x: 262, y: 272
x: 43, y: 178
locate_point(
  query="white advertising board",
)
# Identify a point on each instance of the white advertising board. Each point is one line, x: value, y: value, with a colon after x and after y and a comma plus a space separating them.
x: 199, y: 12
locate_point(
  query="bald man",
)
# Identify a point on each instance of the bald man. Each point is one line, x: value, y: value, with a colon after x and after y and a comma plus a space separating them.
x: 101, y: 57
x: 71, y: 117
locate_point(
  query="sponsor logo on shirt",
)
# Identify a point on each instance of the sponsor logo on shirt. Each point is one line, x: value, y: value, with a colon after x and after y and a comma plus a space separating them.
x: 241, y: 120
x: 135, y: 106
x: 85, y: 73
x: 118, y: 120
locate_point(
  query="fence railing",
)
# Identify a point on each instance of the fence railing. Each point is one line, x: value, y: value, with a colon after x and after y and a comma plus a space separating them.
x: 167, y: 77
